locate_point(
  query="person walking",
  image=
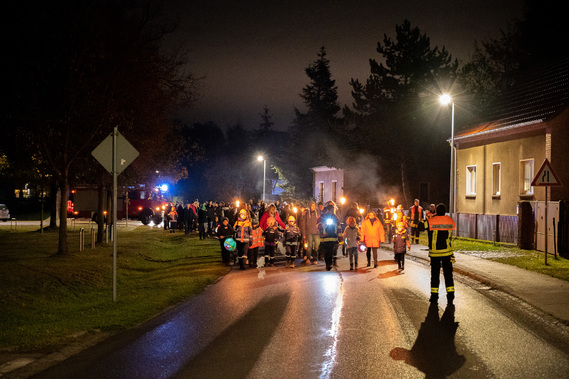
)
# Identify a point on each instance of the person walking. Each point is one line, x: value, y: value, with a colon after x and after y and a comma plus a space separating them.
x: 373, y: 235
x: 439, y: 229
x: 352, y: 236
x: 308, y: 225
x: 188, y: 218
x: 202, y: 221
x: 415, y: 218
x: 271, y: 212
x: 257, y: 242
x: 291, y: 237
x: 243, y: 232
x: 329, y: 227
x: 400, y: 245
x: 272, y: 236
x: 224, y: 231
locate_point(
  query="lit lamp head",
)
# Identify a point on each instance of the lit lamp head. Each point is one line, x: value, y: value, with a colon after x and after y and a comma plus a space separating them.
x: 260, y: 158
x: 445, y: 99
x: 361, y: 211
x: 342, y: 200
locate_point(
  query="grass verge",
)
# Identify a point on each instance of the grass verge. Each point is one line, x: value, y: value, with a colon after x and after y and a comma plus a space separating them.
x: 46, y: 299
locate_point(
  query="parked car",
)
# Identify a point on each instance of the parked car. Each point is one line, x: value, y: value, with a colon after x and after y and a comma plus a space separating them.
x: 4, y: 213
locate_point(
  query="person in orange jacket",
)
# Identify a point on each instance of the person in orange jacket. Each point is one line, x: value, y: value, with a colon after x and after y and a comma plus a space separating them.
x: 373, y: 235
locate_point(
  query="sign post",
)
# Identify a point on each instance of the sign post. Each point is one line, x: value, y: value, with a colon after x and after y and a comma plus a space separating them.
x: 546, y: 177
x: 115, y: 153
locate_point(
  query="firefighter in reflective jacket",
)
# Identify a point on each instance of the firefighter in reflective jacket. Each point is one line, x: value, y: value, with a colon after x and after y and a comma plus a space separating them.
x: 291, y: 238
x: 415, y: 217
x: 439, y: 230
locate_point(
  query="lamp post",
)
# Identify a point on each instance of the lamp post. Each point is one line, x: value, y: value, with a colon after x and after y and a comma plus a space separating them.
x: 260, y: 158
x: 445, y: 99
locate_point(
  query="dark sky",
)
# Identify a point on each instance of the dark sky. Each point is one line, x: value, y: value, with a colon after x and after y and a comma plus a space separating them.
x: 253, y: 53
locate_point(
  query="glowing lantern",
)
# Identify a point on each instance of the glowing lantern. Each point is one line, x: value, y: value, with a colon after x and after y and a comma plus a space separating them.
x: 229, y: 244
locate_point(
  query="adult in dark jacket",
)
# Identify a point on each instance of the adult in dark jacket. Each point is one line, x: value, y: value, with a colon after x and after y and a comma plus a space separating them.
x: 224, y: 231
x: 188, y: 218
x: 202, y: 221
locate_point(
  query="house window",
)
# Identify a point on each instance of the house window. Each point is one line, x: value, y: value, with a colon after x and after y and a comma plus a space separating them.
x: 496, y: 178
x: 470, y: 180
x: 321, y: 192
x: 526, y: 176
x: 334, y: 187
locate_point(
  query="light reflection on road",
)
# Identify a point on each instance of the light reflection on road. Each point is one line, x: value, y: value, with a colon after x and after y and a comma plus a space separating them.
x: 333, y: 284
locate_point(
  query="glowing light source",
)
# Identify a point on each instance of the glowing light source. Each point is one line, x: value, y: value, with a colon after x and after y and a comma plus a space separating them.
x: 164, y: 188
x: 229, y: 244
x: 342, y: 200
x: 362, y: 247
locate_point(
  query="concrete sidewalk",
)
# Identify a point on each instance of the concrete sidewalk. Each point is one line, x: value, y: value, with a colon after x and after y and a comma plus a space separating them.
x: 548, y: 294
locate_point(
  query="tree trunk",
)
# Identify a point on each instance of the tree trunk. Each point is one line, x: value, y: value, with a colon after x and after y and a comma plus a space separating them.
x: 63, y: 247
x: 53, y: 204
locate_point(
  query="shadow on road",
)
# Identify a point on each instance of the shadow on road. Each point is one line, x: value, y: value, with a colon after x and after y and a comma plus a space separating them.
x: 434, y: 352
x: 237, y: 349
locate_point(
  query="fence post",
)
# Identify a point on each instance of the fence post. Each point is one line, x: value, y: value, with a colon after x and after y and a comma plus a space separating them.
x: 92, y: 238
x: 81, y: 239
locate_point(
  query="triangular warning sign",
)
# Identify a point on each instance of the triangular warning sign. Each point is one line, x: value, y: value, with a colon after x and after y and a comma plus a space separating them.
x: 546, y: 176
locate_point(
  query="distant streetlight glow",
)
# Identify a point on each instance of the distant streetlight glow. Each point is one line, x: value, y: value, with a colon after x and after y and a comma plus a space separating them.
x: 445, y: 99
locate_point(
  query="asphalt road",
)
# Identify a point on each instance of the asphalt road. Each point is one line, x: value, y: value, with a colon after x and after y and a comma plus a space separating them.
x: 309, y: 323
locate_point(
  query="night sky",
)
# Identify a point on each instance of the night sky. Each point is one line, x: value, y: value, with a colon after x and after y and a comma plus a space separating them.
x: 254, y: 53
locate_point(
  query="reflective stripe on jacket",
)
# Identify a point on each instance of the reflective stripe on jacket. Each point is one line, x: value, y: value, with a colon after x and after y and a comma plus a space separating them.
x: 440, y: 231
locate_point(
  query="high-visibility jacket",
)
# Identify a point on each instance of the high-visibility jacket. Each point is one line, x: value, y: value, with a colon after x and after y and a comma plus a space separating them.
x: 440, y: 231
x: 257, y: 239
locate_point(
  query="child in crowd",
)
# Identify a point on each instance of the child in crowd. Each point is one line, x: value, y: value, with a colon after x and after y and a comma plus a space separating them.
x: 243, y: 231
x: 256, y: 243
x: 291, y: 239
x: 352, y: 236
x: 400, y: 245
x: 272, y: 236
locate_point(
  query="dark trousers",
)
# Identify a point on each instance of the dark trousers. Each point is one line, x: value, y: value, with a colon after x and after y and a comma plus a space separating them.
x: 252, y: 255
x: 328, y: 247
x: 436, y: 263
x: 225, y: 256
x: 400, y: 258
x: 242, y: 250
x: 414, y: 234
x: 270, y: 254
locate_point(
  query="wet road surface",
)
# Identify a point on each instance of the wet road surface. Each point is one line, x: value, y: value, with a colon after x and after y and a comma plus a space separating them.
x: 309, y: 323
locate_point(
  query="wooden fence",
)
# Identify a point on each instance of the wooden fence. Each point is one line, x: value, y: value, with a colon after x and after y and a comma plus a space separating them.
x: 487, y: 227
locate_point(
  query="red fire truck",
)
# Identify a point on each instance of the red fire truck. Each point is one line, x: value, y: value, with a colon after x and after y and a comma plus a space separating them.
x: 138, y: 202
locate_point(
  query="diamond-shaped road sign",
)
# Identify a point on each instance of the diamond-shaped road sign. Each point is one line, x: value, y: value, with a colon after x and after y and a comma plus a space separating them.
x: 126, y: 153
x: 546, y: 176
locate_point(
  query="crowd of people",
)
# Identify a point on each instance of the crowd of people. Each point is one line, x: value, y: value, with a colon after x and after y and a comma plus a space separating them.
x: 318, y: 232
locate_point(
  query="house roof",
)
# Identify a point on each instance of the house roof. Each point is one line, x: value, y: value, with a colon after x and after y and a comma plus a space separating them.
x: 542, y: 95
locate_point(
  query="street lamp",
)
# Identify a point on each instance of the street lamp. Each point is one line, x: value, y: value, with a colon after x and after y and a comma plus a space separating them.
x: 445, y: 99
x: 260, y: 158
